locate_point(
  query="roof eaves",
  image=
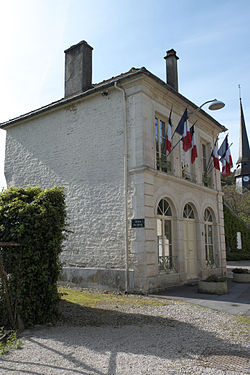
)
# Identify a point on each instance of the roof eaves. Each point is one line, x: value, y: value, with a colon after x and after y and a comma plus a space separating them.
x: 65, y: 101
x: 222, y: 127
x: 100, y: 86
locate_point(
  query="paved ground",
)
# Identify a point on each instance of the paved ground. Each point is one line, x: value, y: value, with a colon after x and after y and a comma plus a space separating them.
x: 236, y: 301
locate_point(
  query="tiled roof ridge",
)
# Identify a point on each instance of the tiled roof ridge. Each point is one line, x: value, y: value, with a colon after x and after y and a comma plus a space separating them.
x: 121, y: 75
x: 96, y: 87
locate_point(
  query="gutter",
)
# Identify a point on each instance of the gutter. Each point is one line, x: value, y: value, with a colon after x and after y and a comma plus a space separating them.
x: 100, y: 87
x: 125, y: 183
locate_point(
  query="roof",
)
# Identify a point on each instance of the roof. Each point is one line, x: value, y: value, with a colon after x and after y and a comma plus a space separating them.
x: 101, y: 86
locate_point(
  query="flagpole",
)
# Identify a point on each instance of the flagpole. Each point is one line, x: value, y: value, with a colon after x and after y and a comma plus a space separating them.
x: 220, y: 160
x: 180, y: 138
x: 209, y: 163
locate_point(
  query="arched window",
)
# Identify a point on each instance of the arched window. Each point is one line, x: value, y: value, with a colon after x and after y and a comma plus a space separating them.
x: 188, y: 212
x: 164, y: 235
x: 209, y: 236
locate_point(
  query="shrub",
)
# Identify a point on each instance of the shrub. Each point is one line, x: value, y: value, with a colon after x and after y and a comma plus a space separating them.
x: 215, y: 278
x: 234, y: 224
x: 238, y: 255
x: 35, y: 219
x: 240, y: 270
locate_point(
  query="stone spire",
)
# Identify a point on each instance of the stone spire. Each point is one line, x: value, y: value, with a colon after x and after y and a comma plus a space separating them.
x: 242, y: 173
x: 244, y: 151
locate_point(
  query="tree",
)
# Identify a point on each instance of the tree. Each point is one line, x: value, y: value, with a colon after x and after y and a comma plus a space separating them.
x: 239, y: 203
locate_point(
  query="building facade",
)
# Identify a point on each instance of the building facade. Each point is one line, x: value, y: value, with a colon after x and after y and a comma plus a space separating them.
x: 141, y: 219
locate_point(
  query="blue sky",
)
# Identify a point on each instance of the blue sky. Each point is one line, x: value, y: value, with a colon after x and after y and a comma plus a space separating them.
x: 212, y: 40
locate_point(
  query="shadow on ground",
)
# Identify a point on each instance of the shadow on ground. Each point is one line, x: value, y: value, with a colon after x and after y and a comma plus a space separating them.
x: 111, y: 335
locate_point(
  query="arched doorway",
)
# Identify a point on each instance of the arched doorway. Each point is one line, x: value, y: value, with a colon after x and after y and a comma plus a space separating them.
x: 190, y: 242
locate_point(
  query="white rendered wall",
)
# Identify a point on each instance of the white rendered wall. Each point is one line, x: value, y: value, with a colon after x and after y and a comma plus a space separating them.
x: 80, y: 147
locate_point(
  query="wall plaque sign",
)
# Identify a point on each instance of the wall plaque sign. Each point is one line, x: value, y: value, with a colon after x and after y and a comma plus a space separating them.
x: 138, y: 223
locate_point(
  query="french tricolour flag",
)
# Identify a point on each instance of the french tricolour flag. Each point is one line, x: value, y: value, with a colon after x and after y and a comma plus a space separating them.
x: 169, y: 134
x: 226, y: 158
x: 216, y: 158
x: 194, y: 154
x: 184, y: 130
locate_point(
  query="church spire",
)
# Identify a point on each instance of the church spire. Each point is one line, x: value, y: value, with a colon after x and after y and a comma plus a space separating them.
x: 244, y: 151
x: 242, y: 173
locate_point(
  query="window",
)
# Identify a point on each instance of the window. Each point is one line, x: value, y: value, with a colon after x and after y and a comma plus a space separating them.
x: 206, y: 168
x: 188, y: 212
x: 209, y: 242
x: 165, y: 236
x: 162, y: 158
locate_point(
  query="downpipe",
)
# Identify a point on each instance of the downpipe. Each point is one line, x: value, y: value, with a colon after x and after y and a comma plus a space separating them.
x: 125, y: 171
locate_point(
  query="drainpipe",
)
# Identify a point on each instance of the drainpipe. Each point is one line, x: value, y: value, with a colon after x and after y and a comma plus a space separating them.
x: 125, y: 182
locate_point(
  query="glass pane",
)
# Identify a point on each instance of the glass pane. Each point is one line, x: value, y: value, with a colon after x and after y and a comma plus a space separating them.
x: 159, y: 227
x: 160, y: 209
x: 204, y: 157
x: 167, y: 237
x: 168, y: 233
x: 160, y: 246
x: 208, y: 216
x: 168, y: 212
x: 156, y: 130
x: 188, y: 212
x: 207, y: 255
x: 210, y: 234
x: 191, y: 214
x: 162, y: 132
x: 211, y: 253
x: 164, y: 208
x: 205, y: 230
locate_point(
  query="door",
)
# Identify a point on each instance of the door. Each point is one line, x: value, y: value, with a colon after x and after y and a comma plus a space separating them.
x: 190, y: 249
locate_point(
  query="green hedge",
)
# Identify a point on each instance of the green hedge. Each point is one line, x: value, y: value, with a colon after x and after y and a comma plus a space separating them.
x: 35, y: 219
x: 233, y: 225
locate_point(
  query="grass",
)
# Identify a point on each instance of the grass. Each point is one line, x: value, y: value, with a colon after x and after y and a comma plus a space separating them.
x: 11, y: 341
x: 94, y: 300
x: 242, y: 319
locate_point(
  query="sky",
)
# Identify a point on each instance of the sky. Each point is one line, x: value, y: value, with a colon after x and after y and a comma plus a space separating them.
x: 211, y: 38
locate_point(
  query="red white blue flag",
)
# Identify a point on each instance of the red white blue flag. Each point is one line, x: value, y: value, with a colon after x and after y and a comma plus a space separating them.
x: 216, y: 158
x: 226, y: 158
x: 169, y: 134
x: 194, y: 154
x: 184, y: 130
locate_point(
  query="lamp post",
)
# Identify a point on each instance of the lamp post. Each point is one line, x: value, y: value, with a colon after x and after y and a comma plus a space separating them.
x: 214, y: 106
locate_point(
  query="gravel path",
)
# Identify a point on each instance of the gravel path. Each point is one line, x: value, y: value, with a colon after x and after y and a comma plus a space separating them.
x: 178, y: 338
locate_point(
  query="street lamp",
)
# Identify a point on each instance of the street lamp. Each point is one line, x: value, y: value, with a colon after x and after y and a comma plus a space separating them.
x: 214, y: 106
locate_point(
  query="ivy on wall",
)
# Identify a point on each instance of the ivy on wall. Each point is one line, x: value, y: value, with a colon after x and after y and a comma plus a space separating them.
x: 233, y: 224
x: 35, y: 219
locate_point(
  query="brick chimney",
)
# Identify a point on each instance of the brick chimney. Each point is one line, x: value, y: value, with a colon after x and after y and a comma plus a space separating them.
x: 78, y: 69
x: 171, y: 69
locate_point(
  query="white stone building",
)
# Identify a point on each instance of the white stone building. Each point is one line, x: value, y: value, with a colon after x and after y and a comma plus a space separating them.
x: 103, y: 143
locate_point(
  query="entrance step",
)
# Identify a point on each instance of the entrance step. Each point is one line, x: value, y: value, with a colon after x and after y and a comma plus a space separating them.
x: 192, y: 282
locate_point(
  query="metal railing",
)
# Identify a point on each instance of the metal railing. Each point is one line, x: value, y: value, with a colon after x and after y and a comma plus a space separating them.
x: 167, y: 263
x: 189, y: 176
x: 210, y: 263
x: 163, y: 164
x: 207, y: 180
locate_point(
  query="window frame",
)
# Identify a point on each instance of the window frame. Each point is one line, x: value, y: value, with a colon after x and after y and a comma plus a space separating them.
x: 209, y: 235
x: 206, y: 176
x: 162, y: 158
x: 164, y: 220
